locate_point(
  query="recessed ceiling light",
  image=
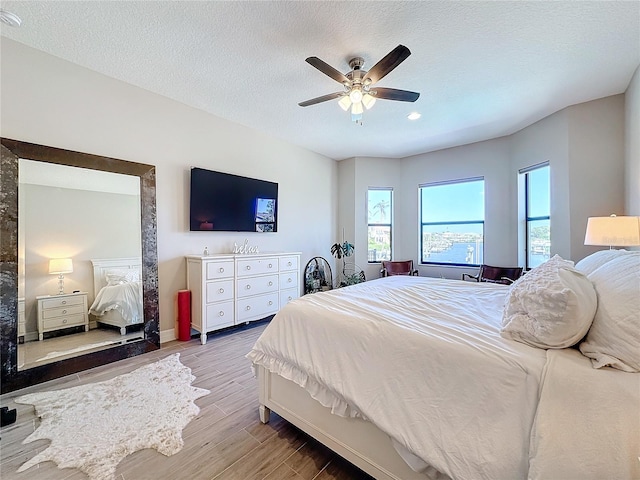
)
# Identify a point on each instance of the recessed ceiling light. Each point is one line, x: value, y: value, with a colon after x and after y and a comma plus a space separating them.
x: 9, y: 18
x: 414, y: 116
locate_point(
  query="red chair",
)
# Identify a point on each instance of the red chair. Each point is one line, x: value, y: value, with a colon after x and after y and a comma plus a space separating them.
x: 404, y: 267
x: 487, y: 273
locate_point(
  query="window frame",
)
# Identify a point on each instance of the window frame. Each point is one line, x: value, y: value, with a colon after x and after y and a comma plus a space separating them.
x: 527, y: 219
x: 390, y: 224
x: 457, y: 222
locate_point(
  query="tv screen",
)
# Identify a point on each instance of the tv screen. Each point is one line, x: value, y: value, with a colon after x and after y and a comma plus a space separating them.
x: 230, y: 203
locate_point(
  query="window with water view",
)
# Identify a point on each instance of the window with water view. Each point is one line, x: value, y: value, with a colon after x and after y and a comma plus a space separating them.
x: 452, y: 222
x: 537, y: 205
x: 379, y: 207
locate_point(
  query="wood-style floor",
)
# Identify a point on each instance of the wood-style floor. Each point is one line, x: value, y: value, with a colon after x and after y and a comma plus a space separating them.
x: 225, y: 441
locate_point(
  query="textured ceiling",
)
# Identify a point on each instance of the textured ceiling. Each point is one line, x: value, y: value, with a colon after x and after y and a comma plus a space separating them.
x: 484, y: 69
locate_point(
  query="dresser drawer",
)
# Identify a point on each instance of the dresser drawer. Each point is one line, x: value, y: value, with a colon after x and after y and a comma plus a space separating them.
x: 287, y: 295
x: 288, y: 263
x: 62, y: 322
x: 288, y: 280
x: 257, y: 266
x: 257, y: 307
x: 63, y: 301
x: 219, y: 315
x: 257, y: 285
x: 51, y: 313
x: 219, y: 291
x: 217, y: 270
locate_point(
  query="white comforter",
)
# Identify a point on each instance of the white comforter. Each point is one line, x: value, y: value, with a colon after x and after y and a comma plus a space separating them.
x: 126, y: 298
x: 434, y: 375
x: 423, y: 359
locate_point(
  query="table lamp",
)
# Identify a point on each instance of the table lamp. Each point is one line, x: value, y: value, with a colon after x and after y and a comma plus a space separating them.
x: 60, y: 266
x: 623, y: 231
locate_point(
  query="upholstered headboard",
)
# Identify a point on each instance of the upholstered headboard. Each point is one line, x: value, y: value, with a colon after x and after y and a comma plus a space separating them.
x: 102, y: 266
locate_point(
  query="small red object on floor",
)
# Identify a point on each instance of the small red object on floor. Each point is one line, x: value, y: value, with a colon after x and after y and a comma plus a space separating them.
x: 184, y: 315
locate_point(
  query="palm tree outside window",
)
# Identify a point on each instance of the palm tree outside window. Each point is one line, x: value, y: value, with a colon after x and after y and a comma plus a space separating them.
x: 379, y: 223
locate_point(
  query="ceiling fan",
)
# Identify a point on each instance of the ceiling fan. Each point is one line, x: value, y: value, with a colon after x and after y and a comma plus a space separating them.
x: 358, y: 83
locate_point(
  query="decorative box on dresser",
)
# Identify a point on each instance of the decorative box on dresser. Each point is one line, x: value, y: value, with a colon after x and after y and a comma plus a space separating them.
x: 230, y: 289
x: 56, y: 312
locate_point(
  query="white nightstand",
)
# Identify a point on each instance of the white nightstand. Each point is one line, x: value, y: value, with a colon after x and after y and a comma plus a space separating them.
x: 56, y: 312
x: 22, y: 331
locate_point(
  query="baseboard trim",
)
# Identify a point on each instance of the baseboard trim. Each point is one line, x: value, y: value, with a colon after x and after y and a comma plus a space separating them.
x: 168, y: 335
x: 31, y: 336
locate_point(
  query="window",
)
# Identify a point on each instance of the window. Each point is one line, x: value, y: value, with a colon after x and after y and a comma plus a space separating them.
x: 452, y: 222
x: 537, y: 214
x: 379, y: 208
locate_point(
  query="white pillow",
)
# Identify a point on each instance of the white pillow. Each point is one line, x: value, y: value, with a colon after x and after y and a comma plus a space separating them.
x: 594, y: 261
x: 552, y: 306
x: 614, y: 337
x: 121, y: 276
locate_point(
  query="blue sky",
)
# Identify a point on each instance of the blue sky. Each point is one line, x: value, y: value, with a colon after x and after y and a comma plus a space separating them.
x: 459, y: 202
x: 464, y: 202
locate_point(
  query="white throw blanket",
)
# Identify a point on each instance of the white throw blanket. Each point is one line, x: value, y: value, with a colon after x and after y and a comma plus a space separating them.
x: 588, y: 421
x: 422, y: 359
x: 125, y: 298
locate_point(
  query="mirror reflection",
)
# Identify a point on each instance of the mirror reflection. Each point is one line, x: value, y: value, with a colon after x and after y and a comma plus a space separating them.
x: 79, y: 261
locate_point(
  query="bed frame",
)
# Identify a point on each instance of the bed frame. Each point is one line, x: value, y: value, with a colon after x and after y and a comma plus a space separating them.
x: 100, y: 268
x: 358, y: 441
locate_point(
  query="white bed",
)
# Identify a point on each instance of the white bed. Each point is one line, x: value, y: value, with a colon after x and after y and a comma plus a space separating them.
x: 409, y: 378
x: 117, y: 303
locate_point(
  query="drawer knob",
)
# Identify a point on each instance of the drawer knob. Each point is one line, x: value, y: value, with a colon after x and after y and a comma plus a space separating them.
x: 270, y: 283
x: 289, y: 264
x: 289, y: 280
x: 289, y: 298
x: 64, y: 302
x: 64, y: 313
x: 270, y: 302
x: 221, y: 313
x: 64, y: 321
x: 221, y: 270
x: 270, y: 265
x: 248, y: 267
x: 248, y: 287
x: 248, y: 307
x: 221, y: 290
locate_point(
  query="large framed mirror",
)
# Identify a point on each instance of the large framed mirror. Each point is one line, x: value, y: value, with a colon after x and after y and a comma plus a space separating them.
x: 79, y: 273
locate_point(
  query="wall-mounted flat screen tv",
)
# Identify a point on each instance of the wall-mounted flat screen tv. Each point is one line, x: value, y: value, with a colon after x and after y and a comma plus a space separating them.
x: 223, y: 202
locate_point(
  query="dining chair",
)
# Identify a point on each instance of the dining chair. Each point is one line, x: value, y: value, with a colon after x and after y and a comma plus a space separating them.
x: 404, y: 267
x: 489, y: 273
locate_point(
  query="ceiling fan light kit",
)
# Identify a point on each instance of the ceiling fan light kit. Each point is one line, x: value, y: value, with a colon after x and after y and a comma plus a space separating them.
x: 357, y: 83
x: 10, y: 18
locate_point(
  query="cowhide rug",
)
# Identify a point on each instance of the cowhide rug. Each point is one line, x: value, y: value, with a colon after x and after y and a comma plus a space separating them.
x: 93, y: 427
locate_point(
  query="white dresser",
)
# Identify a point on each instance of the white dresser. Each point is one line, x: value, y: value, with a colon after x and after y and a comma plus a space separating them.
x: 56, y: 312
x: 227, y: 290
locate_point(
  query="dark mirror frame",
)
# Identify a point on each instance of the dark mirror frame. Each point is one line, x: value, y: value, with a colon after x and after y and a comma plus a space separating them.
x: 12, y: 150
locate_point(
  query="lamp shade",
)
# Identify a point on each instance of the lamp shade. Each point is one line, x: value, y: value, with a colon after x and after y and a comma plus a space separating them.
x: 60, y: 265
x: 613, y: 231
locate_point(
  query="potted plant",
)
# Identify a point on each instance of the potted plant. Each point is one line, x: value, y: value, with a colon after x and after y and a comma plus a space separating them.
x: 341, y: 251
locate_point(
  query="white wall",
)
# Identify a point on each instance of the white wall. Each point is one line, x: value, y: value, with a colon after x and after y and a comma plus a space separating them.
x: 488, y: 159
x: 584, y: 145
x: 52, y: 102
x: 374, y: 172
x: 545, y: 141
x: 596, y: 166
x: 632, y: 145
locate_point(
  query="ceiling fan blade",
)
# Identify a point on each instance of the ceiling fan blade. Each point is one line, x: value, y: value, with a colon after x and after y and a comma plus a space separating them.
x: 394, y: 94
x: 321, y: 99
x: 394, y: 58
x: 327, y: 69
